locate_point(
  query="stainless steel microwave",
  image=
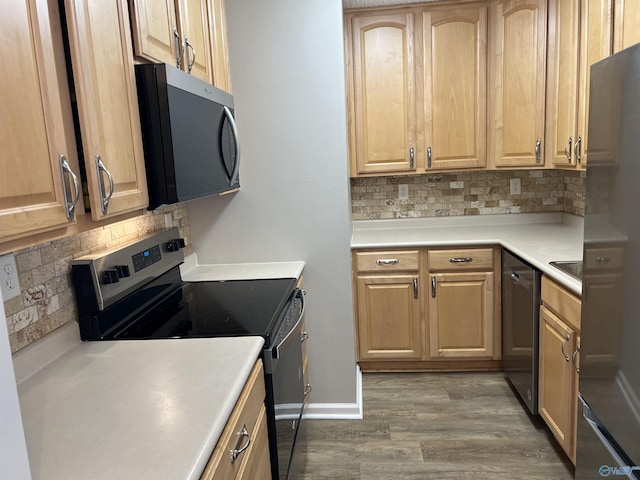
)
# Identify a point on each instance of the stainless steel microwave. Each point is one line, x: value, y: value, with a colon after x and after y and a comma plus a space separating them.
x: 189, y: 136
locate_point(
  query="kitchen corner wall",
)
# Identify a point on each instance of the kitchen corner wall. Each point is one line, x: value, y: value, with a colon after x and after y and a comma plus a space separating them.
x: 47, y: 299
x: 468, y: 193
x: 288, y: 77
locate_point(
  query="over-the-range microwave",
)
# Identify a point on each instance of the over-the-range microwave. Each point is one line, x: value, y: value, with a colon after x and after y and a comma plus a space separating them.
x: 189, y: 136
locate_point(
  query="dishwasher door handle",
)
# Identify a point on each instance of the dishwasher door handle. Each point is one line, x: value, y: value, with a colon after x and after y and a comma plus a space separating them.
x: 518, y: 279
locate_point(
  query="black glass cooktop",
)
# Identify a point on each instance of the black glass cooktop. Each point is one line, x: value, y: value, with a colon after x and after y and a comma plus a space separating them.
x: 215, y: 309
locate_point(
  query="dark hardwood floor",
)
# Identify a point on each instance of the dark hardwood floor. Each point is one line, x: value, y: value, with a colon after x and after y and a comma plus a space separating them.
x: 435, y: 426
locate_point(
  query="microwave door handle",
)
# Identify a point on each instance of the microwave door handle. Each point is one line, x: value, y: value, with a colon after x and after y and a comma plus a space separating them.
x: 234, y: 130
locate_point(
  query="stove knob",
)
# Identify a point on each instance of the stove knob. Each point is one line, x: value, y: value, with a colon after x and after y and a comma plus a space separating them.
x: 123, y: 271
x: 175, y: 245
x: 110, y: 276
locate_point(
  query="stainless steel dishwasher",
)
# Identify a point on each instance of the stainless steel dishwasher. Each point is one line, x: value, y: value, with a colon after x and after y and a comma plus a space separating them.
x: 520, y: 321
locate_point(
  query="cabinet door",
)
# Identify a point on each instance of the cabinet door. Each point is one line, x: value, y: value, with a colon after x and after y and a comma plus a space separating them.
x: 517, y: 93
x: 595, y: 45
x: 626, y: 30
x: 558, y: 396
x: 455, y: 87
x: 389, y: 317
x: 35, y: 130
x: 154, y: 29
x: 194, y: 31
x: 461, y: 315
x: 219, y: 47
x: 102, y: 59
x: 563, y: 61
x: 384, y: 92
x: 257, y: 464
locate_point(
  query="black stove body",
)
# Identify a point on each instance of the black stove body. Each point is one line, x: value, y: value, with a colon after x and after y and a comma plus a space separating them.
x: 136, y: 292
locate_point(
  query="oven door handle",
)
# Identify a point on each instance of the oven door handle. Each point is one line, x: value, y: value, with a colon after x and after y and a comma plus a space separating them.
x: 286, y: 340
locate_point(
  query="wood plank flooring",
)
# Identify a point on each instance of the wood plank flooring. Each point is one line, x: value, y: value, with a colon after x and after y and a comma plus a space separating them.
x: 435, y: 426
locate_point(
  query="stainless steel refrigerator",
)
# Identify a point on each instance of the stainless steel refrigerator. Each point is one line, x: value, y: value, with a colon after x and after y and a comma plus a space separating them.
x: 609, y: 407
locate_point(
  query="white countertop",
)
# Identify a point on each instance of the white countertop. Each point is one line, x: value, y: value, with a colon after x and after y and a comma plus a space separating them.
x: 538, y: 238
x: 130, y: 409
x: 192, y: 271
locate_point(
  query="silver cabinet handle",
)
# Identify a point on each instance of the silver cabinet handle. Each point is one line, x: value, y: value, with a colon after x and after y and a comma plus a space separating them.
x: 234, y: 130
x: 538, y: 149
x: 104, y: 198
x: 568, y: 149
x: 69, y: 206
x: 566, y: 340
x: 236, y: 452
x: 307, y: 389
x: 429, y: 156
x: 415, y: 287
x: 578, y: 149
x: 304, y: 336
x: 411, y: 157
x: 177, y: 44
x: 603, y: 259
x: 461, y: 259
x: 187, y: 46
x: 387, y: 261
x: 573, y: 359
x: 433, y: 287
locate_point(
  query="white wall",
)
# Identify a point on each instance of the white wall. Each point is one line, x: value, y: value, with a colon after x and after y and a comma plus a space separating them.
x: 288, y: 81
x: 14, y: 463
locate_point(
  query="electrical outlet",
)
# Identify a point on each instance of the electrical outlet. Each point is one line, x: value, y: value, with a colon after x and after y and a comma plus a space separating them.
x: 168, y: 221
x: 403, y: 191
x: 9, y: 277
x: 516, y: 186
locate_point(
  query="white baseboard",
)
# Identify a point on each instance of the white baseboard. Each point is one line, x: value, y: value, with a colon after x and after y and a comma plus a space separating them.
x: 339, y: 411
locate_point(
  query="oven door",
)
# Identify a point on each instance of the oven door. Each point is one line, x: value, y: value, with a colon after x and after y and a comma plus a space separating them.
x: 289, y: 392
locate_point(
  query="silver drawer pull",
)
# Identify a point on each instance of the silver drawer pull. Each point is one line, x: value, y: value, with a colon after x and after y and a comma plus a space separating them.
x: 307, y: 389
x: 461, y: 259
x: 387, y: 261
x: 603, y: 259
x: 235, y: 453
x: 304, y: 336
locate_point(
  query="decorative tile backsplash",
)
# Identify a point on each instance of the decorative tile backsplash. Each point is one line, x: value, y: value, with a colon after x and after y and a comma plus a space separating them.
x: 47, y: 298
x: 468, y: 193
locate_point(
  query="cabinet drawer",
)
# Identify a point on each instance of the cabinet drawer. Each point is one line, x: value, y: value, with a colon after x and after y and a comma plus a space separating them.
x: 599, y: 259
x: 564, y: 304
x: 244, y: 415
x: 391, y: 261
x: 460, y: 259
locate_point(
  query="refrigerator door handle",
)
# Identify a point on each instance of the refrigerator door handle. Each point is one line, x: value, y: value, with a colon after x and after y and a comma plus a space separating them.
x: 610, y: 445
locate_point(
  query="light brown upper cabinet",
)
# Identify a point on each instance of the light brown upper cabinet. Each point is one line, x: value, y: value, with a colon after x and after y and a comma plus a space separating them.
x: 626, y: 30
x: 102, y: 60
x: 37, y: 128
x: 579, y: 36
x: 219, y: 45
x: 455, y: 87
x: 417, y: 89
x: 381, y: 50
x: 176, y: 32
x: 517, y: 62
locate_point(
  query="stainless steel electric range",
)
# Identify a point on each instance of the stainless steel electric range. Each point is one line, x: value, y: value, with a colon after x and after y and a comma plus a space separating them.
x: 136, y: 292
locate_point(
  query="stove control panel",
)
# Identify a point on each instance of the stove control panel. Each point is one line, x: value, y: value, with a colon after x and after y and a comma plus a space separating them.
x: 102, y: 279
x: 146, y: 258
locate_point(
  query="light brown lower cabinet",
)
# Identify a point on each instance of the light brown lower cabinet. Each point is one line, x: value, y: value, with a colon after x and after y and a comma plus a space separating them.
x: 559, y: 364
x: 427, y: 309
x: 246, y: 427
